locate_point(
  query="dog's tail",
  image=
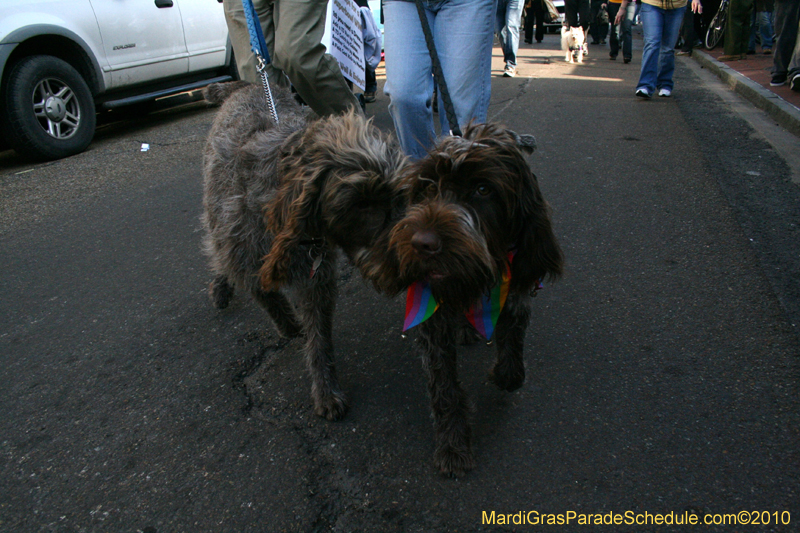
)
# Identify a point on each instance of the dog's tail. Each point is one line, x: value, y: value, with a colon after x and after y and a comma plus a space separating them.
x: 217, y: 93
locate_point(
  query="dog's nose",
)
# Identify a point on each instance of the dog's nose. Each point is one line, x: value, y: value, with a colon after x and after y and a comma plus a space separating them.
x: 426, y: 242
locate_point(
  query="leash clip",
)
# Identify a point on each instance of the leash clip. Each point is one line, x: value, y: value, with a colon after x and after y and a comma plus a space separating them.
x: 317, y: 261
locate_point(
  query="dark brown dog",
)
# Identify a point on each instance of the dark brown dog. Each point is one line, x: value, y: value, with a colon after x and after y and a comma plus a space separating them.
x: 473, y: 202
x: 281, y: 200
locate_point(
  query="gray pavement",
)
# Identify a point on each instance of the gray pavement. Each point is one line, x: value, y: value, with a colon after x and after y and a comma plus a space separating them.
x: 662, y: 370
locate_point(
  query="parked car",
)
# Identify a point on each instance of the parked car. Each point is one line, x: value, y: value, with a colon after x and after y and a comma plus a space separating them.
x: 63, y: 60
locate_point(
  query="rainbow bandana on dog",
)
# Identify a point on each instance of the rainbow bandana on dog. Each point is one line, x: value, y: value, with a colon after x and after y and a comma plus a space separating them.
x: 483, y: 314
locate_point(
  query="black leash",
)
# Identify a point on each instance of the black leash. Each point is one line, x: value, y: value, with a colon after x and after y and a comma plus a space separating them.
x: 438, y: 75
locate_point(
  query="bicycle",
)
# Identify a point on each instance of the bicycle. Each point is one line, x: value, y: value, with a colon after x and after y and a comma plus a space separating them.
x: 717, y: 26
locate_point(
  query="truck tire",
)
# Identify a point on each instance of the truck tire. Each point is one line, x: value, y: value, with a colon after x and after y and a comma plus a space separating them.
x: 50, y: 110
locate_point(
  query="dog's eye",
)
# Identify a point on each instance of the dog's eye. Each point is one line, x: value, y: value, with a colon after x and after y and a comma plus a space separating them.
x: 483, y: 190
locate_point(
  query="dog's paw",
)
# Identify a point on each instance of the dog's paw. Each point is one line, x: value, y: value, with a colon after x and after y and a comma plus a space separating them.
x: 333, y: 406
x: 452, y: 461
x: 221, y: 292
x: 507, y: 377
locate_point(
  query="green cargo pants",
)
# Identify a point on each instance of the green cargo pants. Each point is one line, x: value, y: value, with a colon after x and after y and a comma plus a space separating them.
x: 293, y: 31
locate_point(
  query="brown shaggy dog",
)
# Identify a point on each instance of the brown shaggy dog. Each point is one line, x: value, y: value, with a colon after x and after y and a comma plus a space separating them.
x: 280, y: 200
x: 473, y: 203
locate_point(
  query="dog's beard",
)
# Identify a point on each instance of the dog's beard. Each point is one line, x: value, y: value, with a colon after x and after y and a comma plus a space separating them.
x: 461, y: 271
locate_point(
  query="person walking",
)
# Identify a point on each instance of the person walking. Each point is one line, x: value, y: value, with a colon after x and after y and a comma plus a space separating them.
x: 509, y: 16
x: 620, y: 33
x: 661, y: 24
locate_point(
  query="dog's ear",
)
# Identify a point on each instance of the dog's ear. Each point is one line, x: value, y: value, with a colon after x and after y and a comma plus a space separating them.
x: 291, y: 215
x: 481, y: 132
x: 539, y: 255
x: 525, y: 142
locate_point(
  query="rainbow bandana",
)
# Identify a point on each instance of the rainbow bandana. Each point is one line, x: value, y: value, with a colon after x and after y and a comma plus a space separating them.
x: 483, y: 314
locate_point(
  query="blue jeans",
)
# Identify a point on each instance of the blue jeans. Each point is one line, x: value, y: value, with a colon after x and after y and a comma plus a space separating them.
x: 760, y: 21
x: 509, y: 15
x: 661, y: 28
x: 463, y: 33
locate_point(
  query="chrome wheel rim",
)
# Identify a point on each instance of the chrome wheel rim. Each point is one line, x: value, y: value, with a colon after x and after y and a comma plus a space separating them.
x: 56, y: 108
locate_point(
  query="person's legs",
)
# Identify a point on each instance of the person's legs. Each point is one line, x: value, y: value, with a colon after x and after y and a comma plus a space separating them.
x: 299, y: 52
x: 594, y: 26
x: 737, y: 27
x: 509, y: 14
x: 652, y: 27
x: 786, y: 15
x: 613, y: 39
x: 687, y: 31
x: 584, y: 14
x: 538, y: 11
x: 765, y: 27
x: 627, y: 31
x: 409, y: 81
x: 462, y: 31
x: 240, y: 40
x: 669, y: 36
x: 794, y: 67
x: 500, y: 26
x: 370, y: 84
x: 571, y: 13
x: 527, y: 26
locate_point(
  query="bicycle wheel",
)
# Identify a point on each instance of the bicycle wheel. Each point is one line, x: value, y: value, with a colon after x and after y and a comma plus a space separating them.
x: 717, y: 27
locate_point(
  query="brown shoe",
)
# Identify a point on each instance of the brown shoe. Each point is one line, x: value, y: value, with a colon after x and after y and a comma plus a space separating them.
x: 730, y: 57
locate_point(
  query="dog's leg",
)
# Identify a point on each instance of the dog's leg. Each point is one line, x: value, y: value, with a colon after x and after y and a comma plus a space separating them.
x: 221, y: 291
x: 509, y: 370
x: 280, y: 311
x: 315, y: 304
x: 449, y: 403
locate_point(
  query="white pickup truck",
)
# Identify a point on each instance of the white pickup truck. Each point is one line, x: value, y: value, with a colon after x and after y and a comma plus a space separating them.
x: 62, y: 60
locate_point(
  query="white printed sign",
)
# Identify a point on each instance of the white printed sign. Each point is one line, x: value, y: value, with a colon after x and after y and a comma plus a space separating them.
x: 344, y: 39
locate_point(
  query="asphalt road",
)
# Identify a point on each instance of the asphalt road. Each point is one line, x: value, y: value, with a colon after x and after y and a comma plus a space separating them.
x: 662, y: 370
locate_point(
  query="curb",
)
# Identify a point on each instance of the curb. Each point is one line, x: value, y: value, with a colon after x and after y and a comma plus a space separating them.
x: 776, y: 107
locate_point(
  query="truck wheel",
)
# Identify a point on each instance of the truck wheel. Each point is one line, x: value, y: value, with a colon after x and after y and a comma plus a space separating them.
x: 49, y: 108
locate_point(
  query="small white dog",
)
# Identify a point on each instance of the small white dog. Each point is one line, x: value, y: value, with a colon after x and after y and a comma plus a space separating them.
x: 572, y: 42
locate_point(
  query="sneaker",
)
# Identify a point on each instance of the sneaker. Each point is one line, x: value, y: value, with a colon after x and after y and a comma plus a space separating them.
x: 510, y: 71
x: 666, y: 93
x: 683, y: 53
x: 795, y: 84
x: 778, y: 80
x: 369, y: 97
x: 643, y: 93
x: 729, y: 57
x: 766, y: 51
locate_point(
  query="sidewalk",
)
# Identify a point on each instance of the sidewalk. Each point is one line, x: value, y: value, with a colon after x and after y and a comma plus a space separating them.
x: 750, y: 79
